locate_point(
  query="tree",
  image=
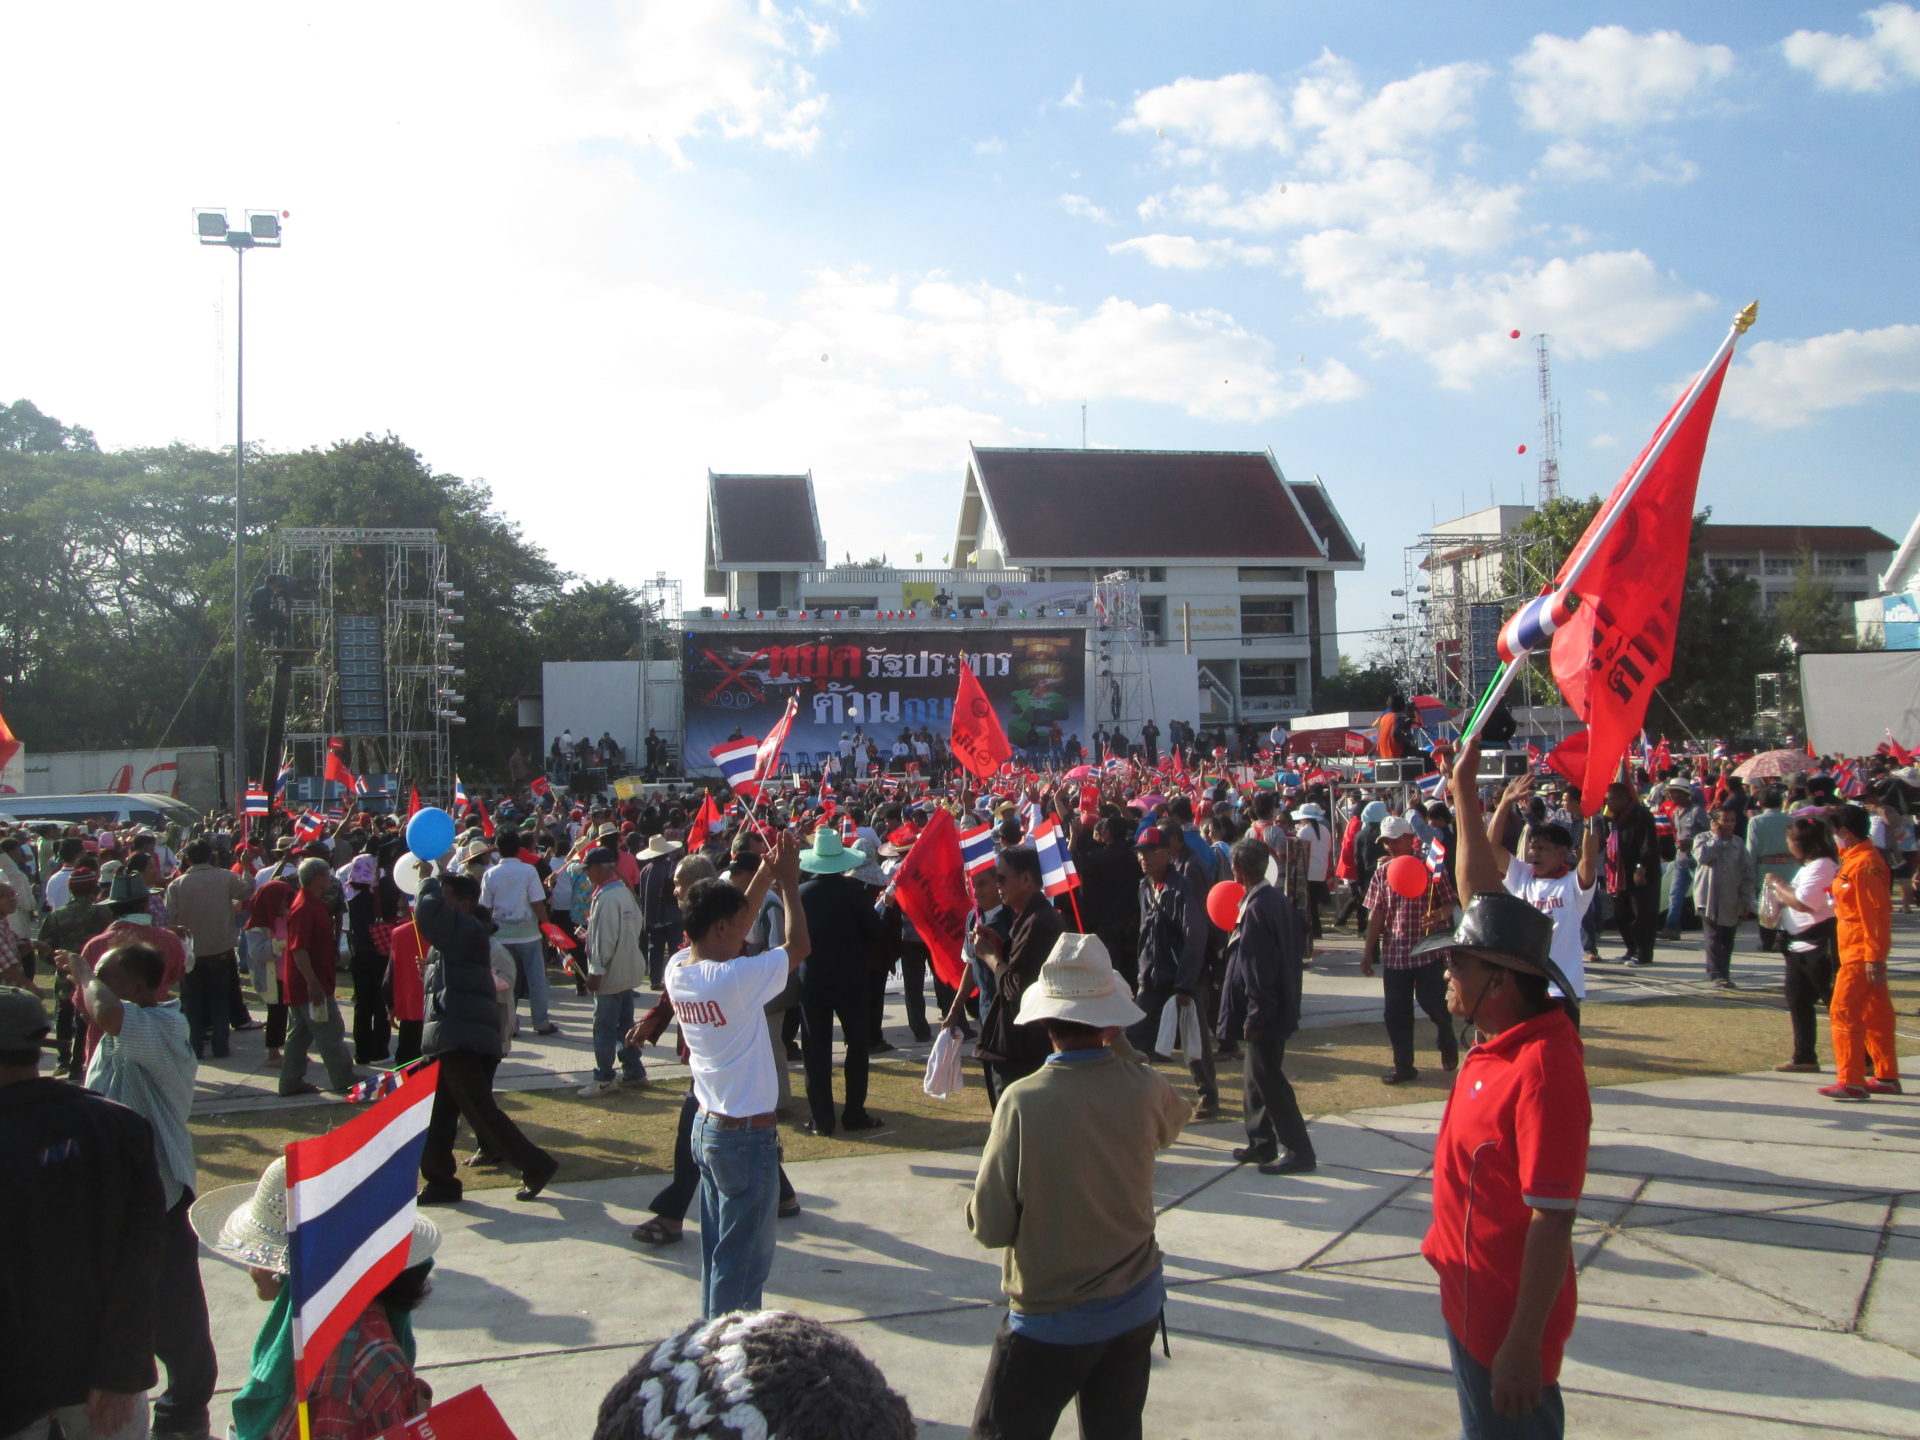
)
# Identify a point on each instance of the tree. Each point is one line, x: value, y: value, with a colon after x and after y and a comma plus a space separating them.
x: 1357, y: 687
x: 1811, y: 616
x: 24, y: 429
x: 601, y: 620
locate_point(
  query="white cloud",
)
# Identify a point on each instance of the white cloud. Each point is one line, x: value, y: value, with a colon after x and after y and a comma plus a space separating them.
x: 1405, y: 115
x: 1889, y: 56
x: 1595, y: 304
x: 992, y: 145
x: 1396, y: 200
x: 1612, y: 79
x: 1083, y: 207
x: 1234, y: 112
x: 1076, y: 96
x: 1203, y: 362
x: 1605, y: 442
x: 1781, y: 384
x: 1184, y: 252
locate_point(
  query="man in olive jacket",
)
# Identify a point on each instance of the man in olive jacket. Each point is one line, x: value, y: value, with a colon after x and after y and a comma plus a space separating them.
x: 462, y: 1032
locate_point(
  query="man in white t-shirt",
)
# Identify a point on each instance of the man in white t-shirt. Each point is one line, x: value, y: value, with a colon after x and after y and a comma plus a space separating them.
x: 719, y: 999
x: 1546, y: 879
x: 512, y: 892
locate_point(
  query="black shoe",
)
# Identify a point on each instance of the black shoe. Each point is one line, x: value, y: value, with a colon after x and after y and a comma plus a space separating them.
x: 1400, y: 1075
x: 810, y: 1128
x: 1228, y: 1052
x: 794, y: 1054
x: 1247, y: 1155
x: 534, y: 1180
x: 1638, y: 963
x: 1292, y: 1165
x: 440, y: 1194
x: 860, y: 1121
x: 1450, y: 1062
x: 921, y: 1037
x: 481, y: 1159
x: 879, y: 1049
x: 1207, y: 1112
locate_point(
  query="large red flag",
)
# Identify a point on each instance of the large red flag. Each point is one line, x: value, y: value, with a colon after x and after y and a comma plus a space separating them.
x: 977, y: 740
x: 9, y: 743
x: 1569, y: 762
x: 1618, y: 645
x: 704, y: 824
x: 766, y: 760
x: 932, y: 889
x: 413, y: 802
x: 337, y: 770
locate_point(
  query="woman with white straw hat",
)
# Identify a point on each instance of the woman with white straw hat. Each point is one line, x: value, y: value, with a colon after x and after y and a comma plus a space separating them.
x: 367, y: 1385
x: 1066, y: 1186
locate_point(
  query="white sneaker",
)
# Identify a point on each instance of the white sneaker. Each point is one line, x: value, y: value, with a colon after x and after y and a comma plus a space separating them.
x: 594, y: 1089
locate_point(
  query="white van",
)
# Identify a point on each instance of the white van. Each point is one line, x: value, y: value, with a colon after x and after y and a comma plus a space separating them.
x: 156, y: 811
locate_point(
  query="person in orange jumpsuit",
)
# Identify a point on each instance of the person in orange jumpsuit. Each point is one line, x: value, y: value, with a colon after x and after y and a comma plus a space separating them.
x: 1861, y: 1011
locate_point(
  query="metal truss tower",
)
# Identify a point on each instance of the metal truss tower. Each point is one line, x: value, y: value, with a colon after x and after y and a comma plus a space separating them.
x: 1549, y: 426
x: 1123, y: 684
x: 662, y: 637
x: 1457, y: 591
x: 381, y: 598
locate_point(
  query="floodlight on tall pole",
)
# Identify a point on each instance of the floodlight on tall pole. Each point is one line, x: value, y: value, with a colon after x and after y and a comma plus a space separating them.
x: 262, y: 232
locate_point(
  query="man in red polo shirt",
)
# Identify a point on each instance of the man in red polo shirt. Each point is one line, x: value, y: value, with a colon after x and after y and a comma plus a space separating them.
x: 1511, y: 1159
x: 313, y: 1015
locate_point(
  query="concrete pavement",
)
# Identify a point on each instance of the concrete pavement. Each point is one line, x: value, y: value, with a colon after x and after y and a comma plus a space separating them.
x: 1749, y: 1266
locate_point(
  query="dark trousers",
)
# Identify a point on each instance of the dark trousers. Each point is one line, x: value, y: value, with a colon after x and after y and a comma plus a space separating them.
x: 1770, y: 940
x: 371, y: 1029
x: 1426, y: 984
x: 1143, y: 1035
x: 1123, y: 948
x: 236, y: 1000
x: 1809, y: 983
x: 915, y: 962
x: 673, y: 1202
x: 182, y: 1338
x: 466, y: 1089
x: 658, y: 944
x: 69, y: 1031
x: 820, y: 1006
x: 206, y: 992
x: 876, y: 992
x: 1316, y: 897
x: 1637, y: 912
x: 406, y: 1041
x: 1274, y: 1121
x: 1029, y: 1382
x: 1718, y: 947
x: 276, y: 1026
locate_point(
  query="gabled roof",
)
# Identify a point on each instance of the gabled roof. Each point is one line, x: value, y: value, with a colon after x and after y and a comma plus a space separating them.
x: 761, y: 522
x: 1826, y: 539
x: 1110, y: 506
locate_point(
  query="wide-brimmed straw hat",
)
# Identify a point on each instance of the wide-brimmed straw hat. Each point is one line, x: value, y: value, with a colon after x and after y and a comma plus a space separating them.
x: 659, y: 847
x: 829, y: 855
x: 248, y: 1223
x: 1078, y: 983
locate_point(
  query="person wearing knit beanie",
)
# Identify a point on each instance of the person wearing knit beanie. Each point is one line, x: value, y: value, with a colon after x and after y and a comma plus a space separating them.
x: 754, y: 1375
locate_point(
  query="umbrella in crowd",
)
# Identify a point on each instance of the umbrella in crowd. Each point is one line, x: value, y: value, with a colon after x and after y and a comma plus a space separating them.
x: 1774, y: 764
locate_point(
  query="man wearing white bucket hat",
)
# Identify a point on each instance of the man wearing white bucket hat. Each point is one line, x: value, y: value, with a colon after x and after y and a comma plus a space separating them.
x: 367, y: 1385
x: 1066, y: 1187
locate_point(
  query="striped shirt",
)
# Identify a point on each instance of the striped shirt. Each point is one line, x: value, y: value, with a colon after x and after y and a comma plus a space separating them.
x: 149, y: 1067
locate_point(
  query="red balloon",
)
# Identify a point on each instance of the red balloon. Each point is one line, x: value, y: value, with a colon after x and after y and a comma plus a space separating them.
x: 1513, y: 334
x: 1406, y: 875
x: 1223, y: 903
x: 1521, y: 451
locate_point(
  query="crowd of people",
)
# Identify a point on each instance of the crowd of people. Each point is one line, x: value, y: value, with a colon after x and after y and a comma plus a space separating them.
x: 133, y: 956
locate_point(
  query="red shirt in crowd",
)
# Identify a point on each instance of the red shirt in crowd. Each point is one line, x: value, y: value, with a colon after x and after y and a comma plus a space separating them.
x: 310, y: 928
x: 1514, y: 1140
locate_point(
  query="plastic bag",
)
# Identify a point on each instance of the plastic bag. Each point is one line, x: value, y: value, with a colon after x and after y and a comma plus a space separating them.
x: 1179, y: 1030
x: 945, y: 1078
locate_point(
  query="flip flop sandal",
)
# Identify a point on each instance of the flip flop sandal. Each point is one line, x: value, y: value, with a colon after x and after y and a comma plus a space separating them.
x: 654, y: 1232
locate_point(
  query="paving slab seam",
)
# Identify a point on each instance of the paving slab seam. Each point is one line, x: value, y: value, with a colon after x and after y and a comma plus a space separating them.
x: 1873, y: 1270
x: 1609, y: 1229
x: 1695, y: 1212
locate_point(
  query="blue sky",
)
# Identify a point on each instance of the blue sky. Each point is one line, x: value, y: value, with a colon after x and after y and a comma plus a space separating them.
x: 585, y: 251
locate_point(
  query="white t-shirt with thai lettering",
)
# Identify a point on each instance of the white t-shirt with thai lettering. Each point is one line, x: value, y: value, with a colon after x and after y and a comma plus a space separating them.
x: 721, y: 1008
x: 1562, y: 901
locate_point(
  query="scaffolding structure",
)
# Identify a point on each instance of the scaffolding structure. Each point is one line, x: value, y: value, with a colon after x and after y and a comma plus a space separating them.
x: 1458, y: 590
x: 1123, y: 682
x: 662, y: 637
x: 348, y: 583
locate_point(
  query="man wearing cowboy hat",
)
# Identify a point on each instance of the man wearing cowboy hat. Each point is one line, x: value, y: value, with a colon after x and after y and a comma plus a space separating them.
x: 1511, y: 1158
x: 1065, y: 1187
x: 80, y: 1349
x: 834, y: 983
x: 652, y: 880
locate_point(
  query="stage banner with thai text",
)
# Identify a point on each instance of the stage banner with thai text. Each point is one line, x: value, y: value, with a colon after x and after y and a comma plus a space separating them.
x: 867, y: 684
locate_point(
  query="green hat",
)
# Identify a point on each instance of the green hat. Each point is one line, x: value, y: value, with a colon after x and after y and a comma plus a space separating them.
x: 829, y: 855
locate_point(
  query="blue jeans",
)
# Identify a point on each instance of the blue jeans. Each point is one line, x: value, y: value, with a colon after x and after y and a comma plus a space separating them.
x: 739, y: 1190
x: 532, y: 960
x: 1681, y: 899
x: 1473, y: 1386
x: 612, y: 1018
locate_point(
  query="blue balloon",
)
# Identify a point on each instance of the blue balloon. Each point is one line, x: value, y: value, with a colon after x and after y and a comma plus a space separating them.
x: 430, y: 833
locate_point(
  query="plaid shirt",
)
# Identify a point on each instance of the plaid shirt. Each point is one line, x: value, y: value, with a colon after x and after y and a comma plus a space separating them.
x: 1408, y: 922
x: 366, y: 1387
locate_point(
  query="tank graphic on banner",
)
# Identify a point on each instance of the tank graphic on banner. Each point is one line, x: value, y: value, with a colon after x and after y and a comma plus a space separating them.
x: 876, y: 684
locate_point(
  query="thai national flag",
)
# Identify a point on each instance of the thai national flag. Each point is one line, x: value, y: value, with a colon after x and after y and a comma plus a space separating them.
x: 460, y: 802
x: 376, y: 1086
x: 350, y: 1214
x: 735, y: 759
x: 308, y: 828
x: 257, y: 802
x: 976, y: 849
x: 1032, y: 817
x: 1437, y: 858
x: 285, y: 779
x: 1429, y: 785
x: 1057, y: 873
